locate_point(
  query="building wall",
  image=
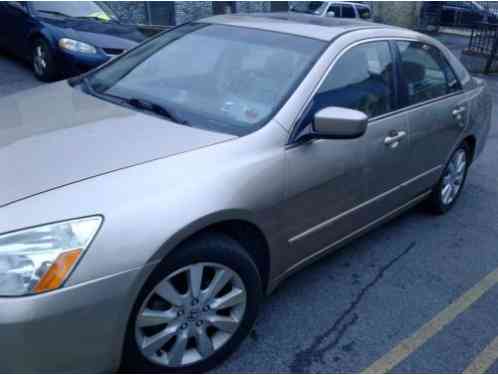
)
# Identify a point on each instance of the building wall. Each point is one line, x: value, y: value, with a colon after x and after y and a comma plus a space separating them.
x: 129, y: 11
x: 253, y: 6
x: 398, y: 13
x: 401, y: 13
x: 184, y: 11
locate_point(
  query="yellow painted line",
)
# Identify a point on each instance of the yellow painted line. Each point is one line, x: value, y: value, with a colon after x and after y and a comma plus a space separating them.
x: 485, y: 359
x: 406, y: 347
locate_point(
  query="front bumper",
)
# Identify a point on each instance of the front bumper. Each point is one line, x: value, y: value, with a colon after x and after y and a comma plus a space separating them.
x: 72, y: 64
x: 75, y: 329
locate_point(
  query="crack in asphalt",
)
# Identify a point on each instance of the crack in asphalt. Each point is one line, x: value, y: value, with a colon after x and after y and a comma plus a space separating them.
x: 305, y: 358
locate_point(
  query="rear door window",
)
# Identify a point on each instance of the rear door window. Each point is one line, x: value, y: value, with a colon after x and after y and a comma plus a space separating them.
x: 425, y: 73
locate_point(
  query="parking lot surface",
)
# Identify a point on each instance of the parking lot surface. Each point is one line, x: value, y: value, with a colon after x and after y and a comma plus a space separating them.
x: 15, y: 76
x: 416, y: 295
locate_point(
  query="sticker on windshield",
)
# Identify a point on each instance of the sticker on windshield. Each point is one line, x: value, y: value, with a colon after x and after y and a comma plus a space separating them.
x: 100, y: 15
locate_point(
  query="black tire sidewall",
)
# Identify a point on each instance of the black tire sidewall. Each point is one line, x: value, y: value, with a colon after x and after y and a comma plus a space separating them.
x: 214, y: 248
x: 437, y: 204
x: 50, y: 71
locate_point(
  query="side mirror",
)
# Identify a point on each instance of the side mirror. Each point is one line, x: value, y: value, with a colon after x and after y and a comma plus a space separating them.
x: 339, y: 123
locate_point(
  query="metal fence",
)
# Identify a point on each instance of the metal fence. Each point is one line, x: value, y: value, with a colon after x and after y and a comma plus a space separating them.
x: 484, y: 42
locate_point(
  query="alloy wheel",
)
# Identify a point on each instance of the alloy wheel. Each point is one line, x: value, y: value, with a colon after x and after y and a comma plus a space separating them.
x: 454, y: 177
x: 40, y: 60
x: 190, y: 315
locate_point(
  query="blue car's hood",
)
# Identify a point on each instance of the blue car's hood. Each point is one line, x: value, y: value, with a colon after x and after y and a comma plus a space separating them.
x: 98, y: 33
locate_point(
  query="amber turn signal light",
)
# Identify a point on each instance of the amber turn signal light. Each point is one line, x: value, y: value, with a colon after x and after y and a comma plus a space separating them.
x: 58, y: 271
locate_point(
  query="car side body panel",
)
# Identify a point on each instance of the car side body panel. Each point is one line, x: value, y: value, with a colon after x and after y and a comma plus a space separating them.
x: 150, y: 208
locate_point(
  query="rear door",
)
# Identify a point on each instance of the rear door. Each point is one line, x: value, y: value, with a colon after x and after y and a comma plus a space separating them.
x: 437, y: 110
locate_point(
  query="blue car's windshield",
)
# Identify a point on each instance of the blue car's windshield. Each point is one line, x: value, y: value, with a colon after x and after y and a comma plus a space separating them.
x: 76, y: 9
x: 223, y: 78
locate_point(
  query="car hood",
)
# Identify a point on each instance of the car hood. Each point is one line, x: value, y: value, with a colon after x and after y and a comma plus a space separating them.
x: 100, y: 34
x: 56, y: 135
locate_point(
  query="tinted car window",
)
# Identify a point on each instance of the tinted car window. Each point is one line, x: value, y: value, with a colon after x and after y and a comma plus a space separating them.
x: 348, y: 11
x: 361, y: 79
x: 425, y: 73
x: 334, y: 10
x: 222, y: 78
x: 364, y: 12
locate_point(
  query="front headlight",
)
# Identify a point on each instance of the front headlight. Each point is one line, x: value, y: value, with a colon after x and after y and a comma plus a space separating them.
x: 76, y: 46
x: 39, y: 259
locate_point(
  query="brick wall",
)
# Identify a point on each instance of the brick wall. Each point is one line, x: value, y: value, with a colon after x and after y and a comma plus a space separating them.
x: 129, y: 11
x: 184, y: 11
x: 253, y: 6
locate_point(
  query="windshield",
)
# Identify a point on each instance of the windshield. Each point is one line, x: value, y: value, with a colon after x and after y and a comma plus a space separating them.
x: 222, y: 78
x: 476, y: 5
x: 76, y: 9
x: 311, y: 7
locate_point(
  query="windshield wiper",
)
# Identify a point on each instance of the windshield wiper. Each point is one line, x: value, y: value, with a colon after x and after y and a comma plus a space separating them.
x: 158, y: 109
x: 94, y: 18
x: 53, y: 12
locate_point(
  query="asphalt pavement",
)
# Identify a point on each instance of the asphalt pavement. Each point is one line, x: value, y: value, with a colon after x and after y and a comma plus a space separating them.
x: 419, y: 294
x: 15, y: 75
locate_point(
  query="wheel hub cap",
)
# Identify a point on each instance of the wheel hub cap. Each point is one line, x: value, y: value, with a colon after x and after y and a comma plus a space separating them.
x: 453, y: 177
x: 39, y: 60
x: 190, y: 315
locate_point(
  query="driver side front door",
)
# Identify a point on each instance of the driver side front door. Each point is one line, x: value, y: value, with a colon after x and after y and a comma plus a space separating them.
x: 337, y: 188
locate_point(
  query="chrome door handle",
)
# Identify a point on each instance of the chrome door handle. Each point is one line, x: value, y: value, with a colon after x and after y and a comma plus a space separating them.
x: 459, y: 111
x: 458, y: 115
x: 394, y: 139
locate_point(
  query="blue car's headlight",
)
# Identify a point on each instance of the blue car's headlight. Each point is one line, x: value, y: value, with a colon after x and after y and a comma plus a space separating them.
x: 39, y: 259
x: 76, y: 46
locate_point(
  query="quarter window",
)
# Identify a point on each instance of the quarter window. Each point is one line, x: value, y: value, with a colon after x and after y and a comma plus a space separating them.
x: 425, y: 73
x: 361, y: 79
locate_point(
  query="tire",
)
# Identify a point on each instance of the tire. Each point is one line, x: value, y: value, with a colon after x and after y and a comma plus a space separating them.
x: 211, y: 250
x: 439, y: 202
x: 43, y: 62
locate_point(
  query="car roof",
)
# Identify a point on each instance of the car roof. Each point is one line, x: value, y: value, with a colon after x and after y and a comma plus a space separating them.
x: 349, y: 3
x: 306, y: 25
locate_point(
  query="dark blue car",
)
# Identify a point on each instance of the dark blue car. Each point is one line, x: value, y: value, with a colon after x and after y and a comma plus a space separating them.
x: 62, y: 39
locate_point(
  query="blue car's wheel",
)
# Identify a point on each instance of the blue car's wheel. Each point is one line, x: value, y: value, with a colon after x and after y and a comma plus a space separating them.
x: 43, y: 61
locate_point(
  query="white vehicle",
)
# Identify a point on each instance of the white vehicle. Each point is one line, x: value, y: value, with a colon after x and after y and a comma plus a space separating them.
x: 338, y: 9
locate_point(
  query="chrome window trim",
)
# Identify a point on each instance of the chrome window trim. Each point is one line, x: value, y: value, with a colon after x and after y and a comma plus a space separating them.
x: 295, y: 122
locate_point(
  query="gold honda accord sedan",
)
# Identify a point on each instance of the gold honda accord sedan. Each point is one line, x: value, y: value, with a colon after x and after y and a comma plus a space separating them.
x: 148, y: 206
